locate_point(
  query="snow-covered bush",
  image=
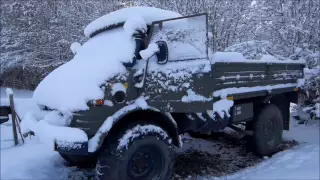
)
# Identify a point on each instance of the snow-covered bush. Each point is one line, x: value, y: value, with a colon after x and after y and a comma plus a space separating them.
x: 310, y: 99
x: 312, y: 58
x: 257, y: 50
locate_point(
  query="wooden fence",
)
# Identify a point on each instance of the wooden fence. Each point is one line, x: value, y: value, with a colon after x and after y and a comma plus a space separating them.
x: 9, y: 111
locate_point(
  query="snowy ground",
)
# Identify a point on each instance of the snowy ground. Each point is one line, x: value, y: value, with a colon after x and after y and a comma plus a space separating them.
x: 222, y: 156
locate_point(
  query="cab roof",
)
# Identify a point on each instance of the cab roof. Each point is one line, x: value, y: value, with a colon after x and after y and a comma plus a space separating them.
x: 149, y: 14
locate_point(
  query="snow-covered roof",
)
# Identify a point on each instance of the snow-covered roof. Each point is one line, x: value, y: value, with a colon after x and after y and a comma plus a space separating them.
x: 149, y: 14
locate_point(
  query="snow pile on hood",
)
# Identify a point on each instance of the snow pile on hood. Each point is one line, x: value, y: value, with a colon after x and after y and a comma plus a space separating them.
x: 72, y: 85
x: 149, y: 14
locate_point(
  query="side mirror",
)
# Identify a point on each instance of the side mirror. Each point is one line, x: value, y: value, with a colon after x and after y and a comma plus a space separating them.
x: 163, y: 53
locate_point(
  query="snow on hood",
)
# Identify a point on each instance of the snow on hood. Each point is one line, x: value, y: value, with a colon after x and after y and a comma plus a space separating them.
x: 72, y: 85
x: 149, y: 14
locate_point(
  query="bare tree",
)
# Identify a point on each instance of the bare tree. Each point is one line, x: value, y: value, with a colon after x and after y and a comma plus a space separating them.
x: 36, y: 34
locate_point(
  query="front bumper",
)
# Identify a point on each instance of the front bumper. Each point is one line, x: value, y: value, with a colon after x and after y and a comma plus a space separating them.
x: 78, y: 148
x: 63, y: 139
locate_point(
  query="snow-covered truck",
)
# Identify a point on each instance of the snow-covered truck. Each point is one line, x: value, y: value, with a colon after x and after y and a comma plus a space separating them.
x: 144, y: 77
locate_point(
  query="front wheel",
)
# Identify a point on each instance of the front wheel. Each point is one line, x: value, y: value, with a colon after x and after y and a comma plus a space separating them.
x: 141, y: 152
x: 267, y: 129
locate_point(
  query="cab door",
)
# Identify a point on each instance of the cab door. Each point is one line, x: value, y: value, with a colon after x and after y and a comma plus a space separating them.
x: 181, y: 84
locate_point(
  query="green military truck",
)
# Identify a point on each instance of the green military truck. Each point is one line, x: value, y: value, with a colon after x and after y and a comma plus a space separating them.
x: 146, y: 76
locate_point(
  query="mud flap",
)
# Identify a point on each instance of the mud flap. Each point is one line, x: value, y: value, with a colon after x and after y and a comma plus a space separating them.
x: 202, y: 122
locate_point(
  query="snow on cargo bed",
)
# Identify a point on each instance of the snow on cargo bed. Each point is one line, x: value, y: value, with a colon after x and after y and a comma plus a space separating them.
x: 231, y: 91
x: 234, y: 57
x: 149, y: 14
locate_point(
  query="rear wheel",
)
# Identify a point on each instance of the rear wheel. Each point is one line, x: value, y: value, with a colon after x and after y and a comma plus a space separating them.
x: 140, y: 152
x: 267, y: 129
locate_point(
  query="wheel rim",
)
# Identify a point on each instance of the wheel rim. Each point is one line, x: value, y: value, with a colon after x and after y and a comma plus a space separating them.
x: 145, y: 163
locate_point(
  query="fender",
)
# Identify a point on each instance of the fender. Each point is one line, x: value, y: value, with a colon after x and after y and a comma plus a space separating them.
x: 269, y: 97
x: 282, y: 102
x: 97, y: 140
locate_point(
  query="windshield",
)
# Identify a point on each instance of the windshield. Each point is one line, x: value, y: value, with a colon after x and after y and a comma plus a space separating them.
x: 70, y: 86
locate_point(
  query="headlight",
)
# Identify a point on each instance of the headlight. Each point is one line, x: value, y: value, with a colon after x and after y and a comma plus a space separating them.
x: 118, y: 91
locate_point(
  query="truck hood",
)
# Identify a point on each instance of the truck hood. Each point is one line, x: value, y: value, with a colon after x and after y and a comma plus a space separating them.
x: 72, y: 85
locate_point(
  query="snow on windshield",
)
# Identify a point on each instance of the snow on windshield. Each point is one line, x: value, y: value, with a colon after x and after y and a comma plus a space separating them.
x: 69, y: 87
x: 149, y: 14
x: 186, y: 38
